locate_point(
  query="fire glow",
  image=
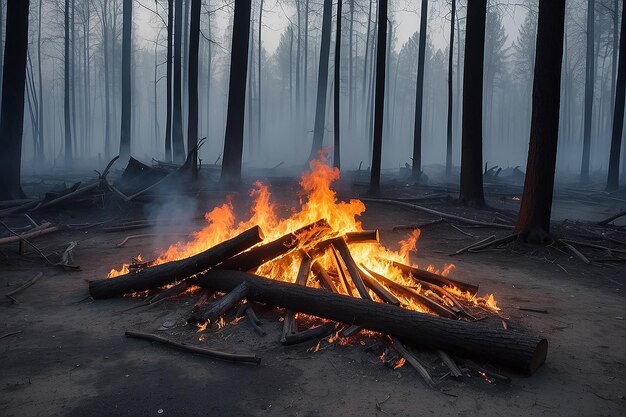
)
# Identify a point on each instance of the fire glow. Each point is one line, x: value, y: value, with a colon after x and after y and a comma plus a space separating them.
x: 317, y: 200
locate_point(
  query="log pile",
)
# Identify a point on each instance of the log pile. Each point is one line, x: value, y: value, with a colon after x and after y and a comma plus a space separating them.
x: 426, y: 309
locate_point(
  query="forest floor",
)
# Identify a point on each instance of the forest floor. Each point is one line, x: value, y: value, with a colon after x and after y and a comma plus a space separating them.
x: 71, y: 357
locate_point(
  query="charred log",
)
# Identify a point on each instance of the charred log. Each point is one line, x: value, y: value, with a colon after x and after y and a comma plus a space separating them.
x: 167, y: 273
x: 515, y: 348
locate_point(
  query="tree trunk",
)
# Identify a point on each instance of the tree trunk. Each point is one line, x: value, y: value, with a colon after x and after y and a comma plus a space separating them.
x: 168, y: 80
x: 66, y: 92
x: 533, y: 222
x: 471, y: 191
x: 12, y: 111
x: 450, y: 104
x: 364, y: 100
x: 589, y: 83
x: 351, y: 70
x: 192, y: 80
x: 107, y: 64
x: 259, y: 104
x: 233, y: 141
x: 419, y: 99
x: 379, y: 107
x: 305, y: 76
x: 336, y: 107
x: 209, y: 76
x: 178, y: 144
x: 322, y: 82
x: 40, y: 140
x: 612, y: 182
x: 126, y: 93
x: 515, y: 348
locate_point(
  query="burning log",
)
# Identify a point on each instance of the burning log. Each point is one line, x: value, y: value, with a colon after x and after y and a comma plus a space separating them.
x: 364, y: 236
x: 322, y: 276
x: 416, y: 296
x: 436, y: 279
x: 351, y: 266
x: 167, y: 273
x: 257, y: 256
x: 195, y: 349
x: 380, y: 291
x: 515, y: 348
x: 221, y: 306
x: 252, y: 319
x: 342, y: 275
x: 289, y: 323
x: 316, y: 332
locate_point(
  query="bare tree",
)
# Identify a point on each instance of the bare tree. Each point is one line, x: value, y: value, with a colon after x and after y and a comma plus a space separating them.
x: 178, y: 145
x: 336, y: 107
x: 126, y: 93
x: 589, y: 83
x: 233, y: 140
x: 471, y: 190
x: 450, y: 107
x: 194, y: 46
x: 612, y: 182
x: 379, y: 107
x: 419, y: 100
x: 322, y: 82
x: 12, y: 111
x: 533, y: 222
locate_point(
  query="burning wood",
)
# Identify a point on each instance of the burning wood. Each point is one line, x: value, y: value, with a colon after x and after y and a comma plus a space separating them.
x: 168, y: 273
x: 418, y: 306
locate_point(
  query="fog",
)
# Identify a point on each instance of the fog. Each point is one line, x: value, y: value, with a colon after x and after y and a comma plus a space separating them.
x: 288, y: 85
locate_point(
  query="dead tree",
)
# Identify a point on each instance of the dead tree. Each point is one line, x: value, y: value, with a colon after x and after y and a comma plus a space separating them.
x: 12, y: 112
x: 192, y: 80
x: 178, y: 145
x: 379, y: 107
x: 336, y: 107
x: 168, y: 80
x: 126, y: 105
x: 233, y: 141
x: 66, y: 88
x: 533, y: 222
x: 450, y: 107
x: 612, y: 182
x: 419, y: 98
x: 589, y: 82
x: 322, y: 82
x: 471, y: 191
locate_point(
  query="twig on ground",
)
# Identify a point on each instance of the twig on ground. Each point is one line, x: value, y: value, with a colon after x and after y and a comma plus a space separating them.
x: 196, y: 349
x: 23, y: 287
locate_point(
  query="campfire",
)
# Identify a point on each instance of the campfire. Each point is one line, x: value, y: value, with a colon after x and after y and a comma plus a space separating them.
x: 320, y: 265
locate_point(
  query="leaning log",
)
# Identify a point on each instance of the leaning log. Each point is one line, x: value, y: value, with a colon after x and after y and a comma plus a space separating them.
x: 221, y: 306
x: 436, y: 279
x: 170, y: 272
x: 257, y: 256
x: 515, y: 348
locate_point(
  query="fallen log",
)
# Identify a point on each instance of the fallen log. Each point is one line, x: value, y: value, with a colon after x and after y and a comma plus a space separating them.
x: 22, y: 287
x: 233, y: 357
x: 610, y: 219
x: 364, y: 236
x: 257, y: 256
x: 221, y: 306
x: 412, y: 360
x: 440, y: 214
x: 436, y: 279
x: 515, y: 348
x: 170, y: 272
x: 29, y: 235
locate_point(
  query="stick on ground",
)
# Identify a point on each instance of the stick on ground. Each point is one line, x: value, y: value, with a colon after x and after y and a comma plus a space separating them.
x: 23, y: 287
x: 195, y: 349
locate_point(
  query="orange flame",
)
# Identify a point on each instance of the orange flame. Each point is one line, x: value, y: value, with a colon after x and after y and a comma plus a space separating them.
x: 317, y: 200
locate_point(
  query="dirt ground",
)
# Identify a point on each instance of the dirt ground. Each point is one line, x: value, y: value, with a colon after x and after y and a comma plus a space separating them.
x: 71, y: 357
